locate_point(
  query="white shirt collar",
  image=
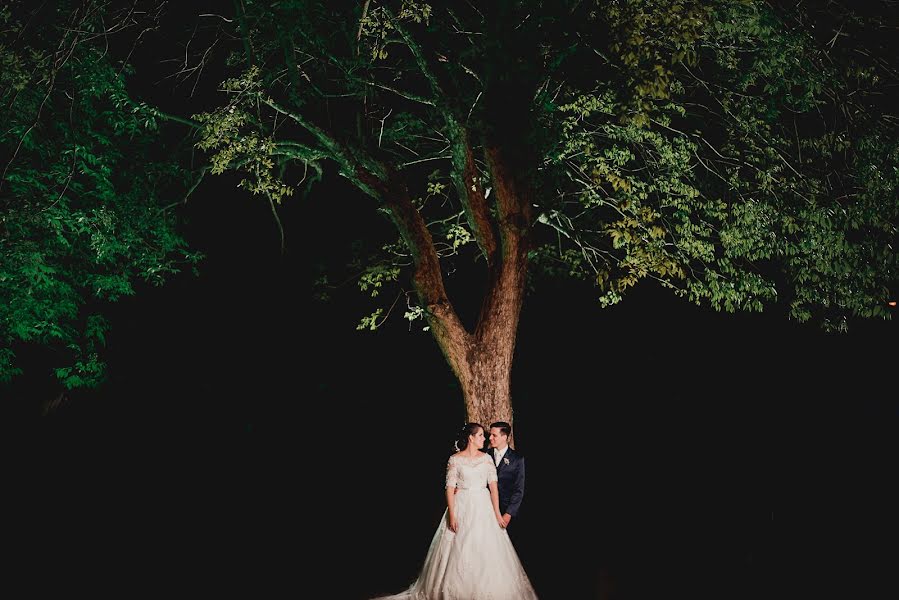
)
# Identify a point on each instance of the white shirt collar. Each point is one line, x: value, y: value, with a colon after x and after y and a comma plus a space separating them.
x: 498, y: 454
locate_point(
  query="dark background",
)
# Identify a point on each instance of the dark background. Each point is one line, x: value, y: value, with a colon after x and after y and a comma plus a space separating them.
x: 250, y: 440
x: 248, y: 436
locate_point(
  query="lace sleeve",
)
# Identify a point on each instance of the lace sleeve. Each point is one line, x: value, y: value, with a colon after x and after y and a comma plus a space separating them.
x: 491, y: 469
x: 452, y: 475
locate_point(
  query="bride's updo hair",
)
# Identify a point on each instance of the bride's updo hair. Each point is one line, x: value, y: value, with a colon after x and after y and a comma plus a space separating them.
x: 467, y: 430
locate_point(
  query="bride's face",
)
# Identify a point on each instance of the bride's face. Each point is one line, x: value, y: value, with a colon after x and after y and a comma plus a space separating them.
x: 477, y: 438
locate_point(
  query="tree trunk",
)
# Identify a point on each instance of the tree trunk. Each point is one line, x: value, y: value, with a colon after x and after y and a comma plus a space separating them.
x: 484, y: 369
x: 482, y: 361
x: 487, y: 389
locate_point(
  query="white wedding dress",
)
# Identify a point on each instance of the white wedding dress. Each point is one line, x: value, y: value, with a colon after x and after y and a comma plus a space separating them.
x: 478, y: 561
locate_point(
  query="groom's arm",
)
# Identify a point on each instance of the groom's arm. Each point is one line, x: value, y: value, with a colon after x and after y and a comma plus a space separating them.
x: 517, y: 490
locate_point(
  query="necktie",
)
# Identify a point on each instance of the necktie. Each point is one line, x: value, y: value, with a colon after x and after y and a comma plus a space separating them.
x: 497, y: 458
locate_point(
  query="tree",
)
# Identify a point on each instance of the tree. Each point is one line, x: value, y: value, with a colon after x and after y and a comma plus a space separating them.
x: 739, y: 153
x: 85, y: 183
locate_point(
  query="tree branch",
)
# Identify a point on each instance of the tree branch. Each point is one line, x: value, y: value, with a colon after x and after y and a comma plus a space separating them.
x: 362, y: 170
x: 498, y: 317
x: 512, y: 202
x: 170, y: 117
x: 420, y: 60
x: 470, y: 190
x: 401, y: 93
x: 427, y: 277
x: 244, y: 32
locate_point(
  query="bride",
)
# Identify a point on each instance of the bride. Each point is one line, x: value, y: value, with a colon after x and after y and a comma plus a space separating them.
x: 471, y: 556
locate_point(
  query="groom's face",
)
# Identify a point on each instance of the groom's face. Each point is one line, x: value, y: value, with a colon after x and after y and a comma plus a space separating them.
x: 497, y: 438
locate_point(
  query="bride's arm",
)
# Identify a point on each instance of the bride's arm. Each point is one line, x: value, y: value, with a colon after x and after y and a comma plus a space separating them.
x: 494, y: 498
x: 451, y: 507
x: 452, y: 480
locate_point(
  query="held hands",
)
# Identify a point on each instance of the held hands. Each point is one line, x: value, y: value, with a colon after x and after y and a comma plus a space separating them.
x: 501, y: 520
x: 505, y: 519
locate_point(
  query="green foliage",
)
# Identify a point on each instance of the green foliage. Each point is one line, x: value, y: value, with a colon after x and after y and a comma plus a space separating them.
x: 761, y: 169
x: 740, y: 153
x: 235, y: 141
x: 378, y: 25
x: 719, y: 149
x: 650, y: 37
x: 375, y: 277
x: 414, y: 313
x: 372, y: 321
x: 84, y: 184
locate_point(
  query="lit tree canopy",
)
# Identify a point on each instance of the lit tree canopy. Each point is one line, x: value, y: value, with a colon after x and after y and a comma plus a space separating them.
x: 739, y: 153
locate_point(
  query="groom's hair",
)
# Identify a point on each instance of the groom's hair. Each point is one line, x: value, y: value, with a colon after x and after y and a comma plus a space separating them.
x: 503, y: 426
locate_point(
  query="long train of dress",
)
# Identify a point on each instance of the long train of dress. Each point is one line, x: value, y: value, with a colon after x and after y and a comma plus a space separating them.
x: 478, y: 561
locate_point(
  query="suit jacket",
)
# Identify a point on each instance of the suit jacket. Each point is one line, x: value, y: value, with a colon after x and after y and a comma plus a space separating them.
x: 510, y: 481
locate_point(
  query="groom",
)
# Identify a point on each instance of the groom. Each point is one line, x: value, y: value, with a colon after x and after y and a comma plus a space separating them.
x: 509, y: 470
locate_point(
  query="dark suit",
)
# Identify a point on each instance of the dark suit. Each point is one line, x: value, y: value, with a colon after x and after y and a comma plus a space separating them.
x: 510, y: 481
